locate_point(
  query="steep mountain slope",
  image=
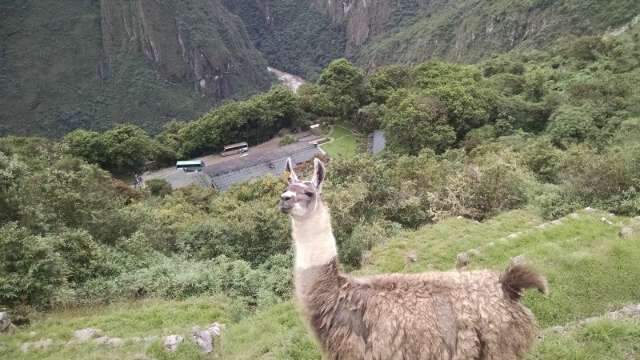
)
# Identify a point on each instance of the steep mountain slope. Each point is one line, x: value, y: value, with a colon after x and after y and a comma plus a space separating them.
x: 378, y: 32
x: 94, y: 63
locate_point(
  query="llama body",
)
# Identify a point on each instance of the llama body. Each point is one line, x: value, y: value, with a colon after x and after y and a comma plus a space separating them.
x: 434, y: 315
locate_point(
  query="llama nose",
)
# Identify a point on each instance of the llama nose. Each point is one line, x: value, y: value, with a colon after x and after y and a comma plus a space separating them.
x: 287, y: 196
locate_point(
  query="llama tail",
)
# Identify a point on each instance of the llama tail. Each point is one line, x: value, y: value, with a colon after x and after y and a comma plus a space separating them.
x: 519, y: 277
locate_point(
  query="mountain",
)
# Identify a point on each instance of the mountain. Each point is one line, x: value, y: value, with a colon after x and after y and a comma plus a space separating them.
x: 96, y: 63
x: 378, y: 32
x: 90, y: 63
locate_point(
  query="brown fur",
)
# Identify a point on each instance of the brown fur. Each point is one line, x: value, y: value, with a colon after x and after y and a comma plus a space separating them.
x: 436, y: 315
x: 447, y: 315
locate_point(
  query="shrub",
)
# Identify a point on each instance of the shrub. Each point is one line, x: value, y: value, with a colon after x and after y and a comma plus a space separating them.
x: 570, y: 125
x: 31, y: 270
x: 363, y: 238
x: 158, y: 187
x: 288, y: 140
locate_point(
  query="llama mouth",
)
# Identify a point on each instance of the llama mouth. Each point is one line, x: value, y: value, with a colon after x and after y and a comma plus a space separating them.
x: 285, y: 209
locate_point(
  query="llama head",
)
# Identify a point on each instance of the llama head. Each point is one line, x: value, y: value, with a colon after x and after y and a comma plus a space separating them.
x: 301, y: 198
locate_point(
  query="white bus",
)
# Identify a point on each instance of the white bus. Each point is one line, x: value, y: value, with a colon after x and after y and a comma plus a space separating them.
x: 233, y: 149
x: 190, y: 166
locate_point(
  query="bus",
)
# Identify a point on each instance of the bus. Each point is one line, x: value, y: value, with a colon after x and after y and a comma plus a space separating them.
x: 233, y: 149
x: 190, y: 166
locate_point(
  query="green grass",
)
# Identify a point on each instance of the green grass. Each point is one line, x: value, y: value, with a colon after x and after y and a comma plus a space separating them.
x: 601, y: 340
x: 344, y: 143
x: 591, y: 270
x: 128, y: 320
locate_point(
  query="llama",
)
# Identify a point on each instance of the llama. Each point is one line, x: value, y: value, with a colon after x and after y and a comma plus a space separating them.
x: 433, y: 315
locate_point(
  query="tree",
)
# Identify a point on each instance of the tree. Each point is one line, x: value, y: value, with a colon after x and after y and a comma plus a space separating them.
x: 344, y: 85
x: 570, y: 125
x: 413, y: 122
x: 88, y: 145
x: 127, y: 148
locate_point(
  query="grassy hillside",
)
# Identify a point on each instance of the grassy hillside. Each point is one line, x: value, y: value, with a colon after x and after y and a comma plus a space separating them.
x: 591, y: 270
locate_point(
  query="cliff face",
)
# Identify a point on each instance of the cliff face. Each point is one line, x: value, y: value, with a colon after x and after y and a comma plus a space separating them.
x: 389, y: 31
x: 93, y: 63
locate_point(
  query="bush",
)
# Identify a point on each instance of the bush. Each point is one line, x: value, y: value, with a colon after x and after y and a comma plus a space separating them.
x: 363, y: 238
x: 288, y: 140
x: 487, y: 185
x: 158, y: 187
x: 31, y: 270
x: 570, y: 125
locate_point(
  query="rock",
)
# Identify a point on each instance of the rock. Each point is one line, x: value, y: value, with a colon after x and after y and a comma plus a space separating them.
x: 36, y: 345
x: 172, y: 342
x: 626, y: 232
x: 462, y: 260
x: 542, y: 226
x: 411, y: 256
x: 84, y: 335
x: 513, y: 236
x: 588, y: 209
x: 6, y: 326
x: 518, y: 260
x: 109, y: 341
x: 556, y: 222
x: 606, y: 221
x: 204, y: 338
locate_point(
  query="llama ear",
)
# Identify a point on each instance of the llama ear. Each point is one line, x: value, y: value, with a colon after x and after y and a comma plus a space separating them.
x: 290, y: 171
x: 319, y: 174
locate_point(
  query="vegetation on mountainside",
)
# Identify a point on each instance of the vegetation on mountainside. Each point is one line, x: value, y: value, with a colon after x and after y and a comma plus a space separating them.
x: 582, y: 256
x: 552, y: 131
x: 92, y: 64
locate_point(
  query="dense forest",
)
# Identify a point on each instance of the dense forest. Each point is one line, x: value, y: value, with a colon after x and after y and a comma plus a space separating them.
x: 556, y: 130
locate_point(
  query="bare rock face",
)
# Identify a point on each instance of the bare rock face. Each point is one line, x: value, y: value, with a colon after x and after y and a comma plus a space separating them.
x: 172, y: 342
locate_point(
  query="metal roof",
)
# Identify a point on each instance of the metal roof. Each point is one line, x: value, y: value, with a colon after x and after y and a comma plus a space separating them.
x: 190, y: 162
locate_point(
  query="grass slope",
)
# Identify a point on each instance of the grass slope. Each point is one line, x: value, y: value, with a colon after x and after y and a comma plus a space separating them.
x: 591, y: 270
x: 344, y: 143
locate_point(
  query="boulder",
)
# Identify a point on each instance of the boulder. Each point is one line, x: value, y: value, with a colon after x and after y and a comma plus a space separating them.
x: 626, y: 232
x: 84, y: 335
x: 36, y: 345
x: 6, y: 326
x: 205, y: 338
x: 172, y: 342
x: 109, y: 341
x: 462, y: 260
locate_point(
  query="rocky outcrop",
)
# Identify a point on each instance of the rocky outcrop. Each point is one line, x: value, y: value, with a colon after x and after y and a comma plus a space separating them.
x: 199, y: 42
x: 381, y: 31
x: 93, y: 64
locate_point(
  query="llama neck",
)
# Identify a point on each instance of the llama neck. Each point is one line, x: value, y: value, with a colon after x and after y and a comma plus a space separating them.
x: 313, y: 240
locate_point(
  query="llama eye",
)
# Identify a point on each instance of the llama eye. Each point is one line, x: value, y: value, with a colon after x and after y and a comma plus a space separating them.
x: 308, y: 193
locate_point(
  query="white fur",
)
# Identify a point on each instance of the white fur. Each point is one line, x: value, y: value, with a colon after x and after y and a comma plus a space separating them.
x: 289, y: 194
x: 313, y: 239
